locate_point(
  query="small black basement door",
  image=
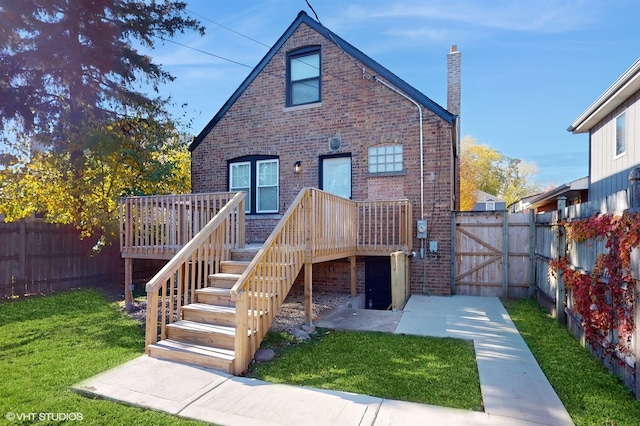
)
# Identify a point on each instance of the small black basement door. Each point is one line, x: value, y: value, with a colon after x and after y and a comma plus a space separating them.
x: 377, y: 282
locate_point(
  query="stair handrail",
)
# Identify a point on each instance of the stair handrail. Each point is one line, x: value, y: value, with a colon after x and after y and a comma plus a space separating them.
x: 198, y: 259
x: 255, y: 314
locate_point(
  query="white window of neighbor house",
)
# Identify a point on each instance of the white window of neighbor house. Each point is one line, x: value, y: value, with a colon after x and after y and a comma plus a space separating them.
x: 240, y: 180
x: 490, y: 205
x: 621, y: 136
x: 386, y: 159
x: 267, y: 186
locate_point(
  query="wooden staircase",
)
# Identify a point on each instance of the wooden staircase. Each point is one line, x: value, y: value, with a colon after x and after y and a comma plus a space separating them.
x: 213, y: 302
x: 205, y: 335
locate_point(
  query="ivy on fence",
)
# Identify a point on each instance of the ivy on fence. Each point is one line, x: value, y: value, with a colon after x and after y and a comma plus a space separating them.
x: 604, y: 298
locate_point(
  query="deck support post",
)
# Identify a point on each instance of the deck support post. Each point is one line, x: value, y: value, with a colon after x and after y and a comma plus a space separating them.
x: 308, y: 296
x: 353, y: 275
x: 128, y: 283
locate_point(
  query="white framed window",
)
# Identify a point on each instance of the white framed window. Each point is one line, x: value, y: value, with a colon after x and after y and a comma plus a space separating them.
x: 621, y: 134
x: 303, y: 72
x: 267, y: 186
x: 259, y: 177
x: 240, y: 180
x: 386, y: 159
x: 490, y: 205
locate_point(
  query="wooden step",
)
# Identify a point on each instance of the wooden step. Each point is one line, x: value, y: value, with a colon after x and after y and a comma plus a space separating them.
x: 233, y: 266
x: 215, y: 336
x: 209, y: 314
x: 223, y: 280
x: 215, y: 296
x: 245, y: 254
x: 171, y: 350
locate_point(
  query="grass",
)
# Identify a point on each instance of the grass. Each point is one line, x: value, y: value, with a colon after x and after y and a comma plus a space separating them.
x: 50, y: 343
x: 590, y: 394
x: 438, y: 371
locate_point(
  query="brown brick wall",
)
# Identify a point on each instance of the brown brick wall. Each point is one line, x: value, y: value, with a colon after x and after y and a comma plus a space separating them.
x: 363, y: 113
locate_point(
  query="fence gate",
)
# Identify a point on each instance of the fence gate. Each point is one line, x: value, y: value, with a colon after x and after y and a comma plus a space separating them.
x: 493, y: 254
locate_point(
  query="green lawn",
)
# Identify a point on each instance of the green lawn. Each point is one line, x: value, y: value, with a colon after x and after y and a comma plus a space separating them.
x: 52, y: 342
x: 438, y: 371
x: 590, y: 394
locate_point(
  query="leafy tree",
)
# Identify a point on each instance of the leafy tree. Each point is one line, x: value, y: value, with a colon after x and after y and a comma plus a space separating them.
x: 67, y: 64
x: 81, y: 129
x: 486, y: 169
x: 130, y: 157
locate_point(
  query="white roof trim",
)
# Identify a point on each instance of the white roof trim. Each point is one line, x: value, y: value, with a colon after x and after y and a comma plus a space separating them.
x: 625, y: 86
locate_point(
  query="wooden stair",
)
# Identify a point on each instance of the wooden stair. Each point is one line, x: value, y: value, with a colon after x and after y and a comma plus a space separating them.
x: 205, y: 335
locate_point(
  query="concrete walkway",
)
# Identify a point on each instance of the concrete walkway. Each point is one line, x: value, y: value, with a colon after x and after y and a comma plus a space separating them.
x: 514, y: 390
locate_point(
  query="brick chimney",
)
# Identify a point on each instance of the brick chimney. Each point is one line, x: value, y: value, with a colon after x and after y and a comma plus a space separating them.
x: 454, y: 89
x: 454, y: 85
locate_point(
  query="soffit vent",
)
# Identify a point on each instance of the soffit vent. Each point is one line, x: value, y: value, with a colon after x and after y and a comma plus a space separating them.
x: 335, y: 142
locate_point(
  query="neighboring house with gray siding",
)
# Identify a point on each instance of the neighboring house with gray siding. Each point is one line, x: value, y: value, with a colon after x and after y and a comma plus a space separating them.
x: 613, y: 124
x: 488, y: 202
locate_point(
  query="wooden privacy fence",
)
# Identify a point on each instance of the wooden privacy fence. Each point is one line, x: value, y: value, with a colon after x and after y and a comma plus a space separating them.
x: 38, y: 257
x: 493, y: 254
x: 551, y: 244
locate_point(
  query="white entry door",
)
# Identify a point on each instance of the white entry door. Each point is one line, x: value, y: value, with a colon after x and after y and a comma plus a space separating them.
x: 336, y: 176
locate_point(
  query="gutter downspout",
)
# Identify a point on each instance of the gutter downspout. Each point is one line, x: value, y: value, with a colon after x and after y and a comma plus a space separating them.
x: 421, y: 141
x: 422, y: 247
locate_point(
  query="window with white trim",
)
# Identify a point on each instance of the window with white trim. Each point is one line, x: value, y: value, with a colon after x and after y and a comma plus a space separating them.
x: 386, y: 159
x: 240, y: 180
x: 621, y: 136
x: 267, y: 186
x: 258, y: 176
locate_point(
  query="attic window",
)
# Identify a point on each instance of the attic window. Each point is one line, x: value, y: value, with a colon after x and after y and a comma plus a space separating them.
x: 303, y: 77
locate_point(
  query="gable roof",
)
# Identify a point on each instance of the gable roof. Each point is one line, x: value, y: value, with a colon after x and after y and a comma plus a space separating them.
x: 621, y: 89
x: 348, y: 48
x: 483, y: 197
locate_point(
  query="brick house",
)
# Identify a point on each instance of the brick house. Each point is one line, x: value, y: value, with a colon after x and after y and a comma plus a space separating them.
x: 317, y: 112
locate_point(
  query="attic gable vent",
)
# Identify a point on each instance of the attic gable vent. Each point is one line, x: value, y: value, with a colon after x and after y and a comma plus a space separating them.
x: 334, y: 143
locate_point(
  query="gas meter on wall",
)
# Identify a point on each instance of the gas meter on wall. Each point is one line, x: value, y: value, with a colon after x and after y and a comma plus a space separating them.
x: 422, y: 228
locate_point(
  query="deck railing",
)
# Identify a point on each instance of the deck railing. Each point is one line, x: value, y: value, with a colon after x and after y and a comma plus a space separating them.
x: 384, y: 226
x: 176, y: 283
x: 159, y: 226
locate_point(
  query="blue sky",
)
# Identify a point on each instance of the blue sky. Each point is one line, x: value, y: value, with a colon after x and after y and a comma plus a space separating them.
x: 529, y: 68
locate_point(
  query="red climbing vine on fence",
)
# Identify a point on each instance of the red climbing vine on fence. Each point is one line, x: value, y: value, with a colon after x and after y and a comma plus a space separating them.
x: 604, y: 298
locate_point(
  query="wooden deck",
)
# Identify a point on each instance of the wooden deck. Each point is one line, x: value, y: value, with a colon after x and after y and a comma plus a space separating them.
x: 211, y: 308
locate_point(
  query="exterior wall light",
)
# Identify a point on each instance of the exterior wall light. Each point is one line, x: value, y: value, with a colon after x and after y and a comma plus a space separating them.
x: 297, y: 167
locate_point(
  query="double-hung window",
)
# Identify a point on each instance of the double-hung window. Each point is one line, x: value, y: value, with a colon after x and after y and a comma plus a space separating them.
x: 303, y: 76
x: 258, y: 176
